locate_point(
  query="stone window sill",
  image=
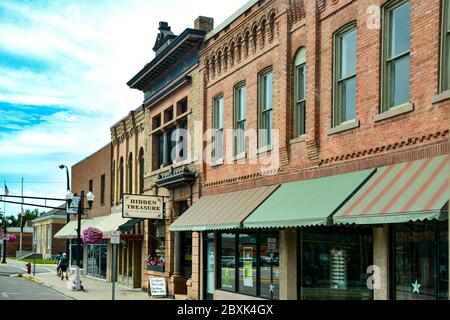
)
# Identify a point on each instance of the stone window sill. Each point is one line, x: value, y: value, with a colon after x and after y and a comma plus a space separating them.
x: 345, y: 126
x: 299, y: 139
x: 239, y: 157
x: 441, y: 97
x: 265, y: 149
x: 395, y: 111
x: 217, y: 163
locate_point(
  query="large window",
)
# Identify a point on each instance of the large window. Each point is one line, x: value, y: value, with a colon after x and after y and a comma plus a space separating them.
x: 130, y: 173
x: 300, y: 93
x: 102, y: 189
x: 240, y: 114
x: 141, y: 171
x: 445, y: 51
x: 333, y: 264
x: 97, y: 260
x: 218, y: 126
x: 421, y: 261
x: 265, y: 108
x: 345, y: 74
x: 396, y: 54
x: 121, y: 179
x: 249, y: 264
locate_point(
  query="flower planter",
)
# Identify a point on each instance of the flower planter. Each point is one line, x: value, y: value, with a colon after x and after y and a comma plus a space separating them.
x: 155, y: 268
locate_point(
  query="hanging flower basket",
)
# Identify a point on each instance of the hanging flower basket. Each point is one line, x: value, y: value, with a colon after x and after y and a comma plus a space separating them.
x: 92, y: 236
x: 11, y: 238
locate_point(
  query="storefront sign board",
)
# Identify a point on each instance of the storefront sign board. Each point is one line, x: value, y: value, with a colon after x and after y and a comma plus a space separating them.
x: 143, y: 207
x: 157, y: 287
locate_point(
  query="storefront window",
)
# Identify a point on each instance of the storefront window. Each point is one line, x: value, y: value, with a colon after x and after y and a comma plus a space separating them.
x: 334, y: 264
x: 157, y: 258
x: 97, y: 259
x: 269, y: 264
x: 247, y: 264
x: 228, y: 262
x: 421, y: 261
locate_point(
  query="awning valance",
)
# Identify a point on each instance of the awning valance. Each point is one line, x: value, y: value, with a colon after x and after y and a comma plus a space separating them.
x: 222, y: 211
x: 106, y: 224
x: 307, y: 202
x: 410, y: 191
x: 127, y: 227
x: 69, y: 231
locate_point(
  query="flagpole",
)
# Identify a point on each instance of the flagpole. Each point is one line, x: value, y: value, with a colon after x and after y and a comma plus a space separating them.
x: 21, y: 222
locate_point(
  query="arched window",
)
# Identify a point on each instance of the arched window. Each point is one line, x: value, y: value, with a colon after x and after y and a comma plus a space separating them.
x: 130, y: 173
x: 113, y: 182
x: 300, y: 93
x: 121, y: 178
x: 141, y: 171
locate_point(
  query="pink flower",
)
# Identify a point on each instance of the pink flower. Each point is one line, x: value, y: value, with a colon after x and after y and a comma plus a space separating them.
x: 11, y: 238
x: 92, y: 235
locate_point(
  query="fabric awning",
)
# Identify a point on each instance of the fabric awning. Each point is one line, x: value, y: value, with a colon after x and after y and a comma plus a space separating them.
x: 222, y: 211
x: 410, y: 191
x: 307, y: 202
x: 69, y: 230
x: 111, y: 223
x: 127, y: 227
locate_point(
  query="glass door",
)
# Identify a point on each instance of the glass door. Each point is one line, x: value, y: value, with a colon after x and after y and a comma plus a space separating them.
x: 210, y: 277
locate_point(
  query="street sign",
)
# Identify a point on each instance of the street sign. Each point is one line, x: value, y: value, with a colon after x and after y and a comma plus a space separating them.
x: 115, y: 237
x: 73, y: 208
x: 158, y: 287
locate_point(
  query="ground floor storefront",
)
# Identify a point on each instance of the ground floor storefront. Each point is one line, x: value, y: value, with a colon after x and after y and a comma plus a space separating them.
x: 376, y: 234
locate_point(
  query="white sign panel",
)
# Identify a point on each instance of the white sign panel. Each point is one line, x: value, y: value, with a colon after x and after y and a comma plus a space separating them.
x: 115, y: 237
x: 143, y: 207
x: 73, y: 208
x: 158, y: 286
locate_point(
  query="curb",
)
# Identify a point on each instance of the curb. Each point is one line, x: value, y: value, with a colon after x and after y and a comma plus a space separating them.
x: 31, y: 278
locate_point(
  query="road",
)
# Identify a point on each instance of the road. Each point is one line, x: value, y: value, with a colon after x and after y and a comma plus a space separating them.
x: 15, y: 267
x: 13, y: 288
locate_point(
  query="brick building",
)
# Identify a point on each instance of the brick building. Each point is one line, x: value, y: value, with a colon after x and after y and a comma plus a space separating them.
x: 171, y: 109
x: 357, y: 95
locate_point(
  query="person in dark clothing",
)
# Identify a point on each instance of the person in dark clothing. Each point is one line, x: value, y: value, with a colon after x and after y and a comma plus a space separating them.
x: 58, y: 259
x: 63, y: 265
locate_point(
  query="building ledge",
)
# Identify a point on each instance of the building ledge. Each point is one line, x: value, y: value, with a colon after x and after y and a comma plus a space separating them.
x: 394, y: 112
x: 345, y: 126
x: 299, y: 139
x: 174, y: 179
x: 441, y: 97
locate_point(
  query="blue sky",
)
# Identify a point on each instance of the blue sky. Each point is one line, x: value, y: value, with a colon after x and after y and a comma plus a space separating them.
x: 63, y: 72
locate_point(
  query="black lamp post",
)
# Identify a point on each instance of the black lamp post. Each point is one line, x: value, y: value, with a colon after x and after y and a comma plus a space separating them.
x: 78, y: 204
x: 5, y: 222
x: 67, y: 213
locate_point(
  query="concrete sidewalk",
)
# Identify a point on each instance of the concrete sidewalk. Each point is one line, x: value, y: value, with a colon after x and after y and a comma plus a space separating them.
x: 94, y: 289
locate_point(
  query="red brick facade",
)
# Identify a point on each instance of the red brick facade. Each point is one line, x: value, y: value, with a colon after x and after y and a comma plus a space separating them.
x: 311, y: 24
x: 92, y: 168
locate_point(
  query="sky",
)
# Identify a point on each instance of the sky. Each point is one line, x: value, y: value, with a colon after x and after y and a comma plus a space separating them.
x: 64, y: 66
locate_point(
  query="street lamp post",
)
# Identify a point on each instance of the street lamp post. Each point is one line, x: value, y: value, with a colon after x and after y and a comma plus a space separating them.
x: 5, y: 223
x: 78, y: 202
x: 67, y: 213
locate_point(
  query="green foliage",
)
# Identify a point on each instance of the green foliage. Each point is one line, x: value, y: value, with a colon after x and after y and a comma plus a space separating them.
x: 29, y: 216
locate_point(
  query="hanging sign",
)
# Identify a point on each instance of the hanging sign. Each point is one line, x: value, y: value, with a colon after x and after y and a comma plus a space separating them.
x: 143, y: 207
x: 157, y: 287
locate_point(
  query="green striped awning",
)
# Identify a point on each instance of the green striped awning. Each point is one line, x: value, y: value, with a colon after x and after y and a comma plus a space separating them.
x: 307, y: 202
x: 222, y: 211
x: 410, y: 191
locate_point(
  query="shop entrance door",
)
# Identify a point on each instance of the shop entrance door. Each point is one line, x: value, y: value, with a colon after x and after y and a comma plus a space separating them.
x: 209, y: 276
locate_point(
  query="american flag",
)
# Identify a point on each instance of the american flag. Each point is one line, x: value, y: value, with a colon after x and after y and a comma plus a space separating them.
x: 6, y: 190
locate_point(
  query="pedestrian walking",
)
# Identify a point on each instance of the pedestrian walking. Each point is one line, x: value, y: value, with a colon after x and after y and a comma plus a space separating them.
x: 58, y: 259
x: 63, y: 264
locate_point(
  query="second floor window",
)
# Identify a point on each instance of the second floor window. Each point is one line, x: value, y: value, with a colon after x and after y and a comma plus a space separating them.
x: 300, y: 93
x: 240, y: 114
x: 121, y: 179
x: 345, y: 74
x: 265, y: 108
x: 445, y: 51
x: 102, y: 189
x: 218, y: 109
x: 396, y: 54
x: 160, y: 142
x: 130, y: 173
x: 141, y: 171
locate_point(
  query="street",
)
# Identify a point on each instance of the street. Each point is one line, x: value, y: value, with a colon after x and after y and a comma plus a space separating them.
x: 14, y: 288
x: 14, y: 267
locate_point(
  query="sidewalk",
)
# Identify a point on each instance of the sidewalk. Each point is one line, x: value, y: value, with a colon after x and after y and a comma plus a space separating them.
x: 93, y: 289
